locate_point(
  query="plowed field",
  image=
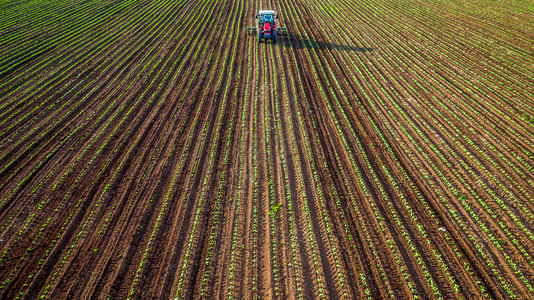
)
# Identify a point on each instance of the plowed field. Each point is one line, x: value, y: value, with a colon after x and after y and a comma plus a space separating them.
x: 152, y: 149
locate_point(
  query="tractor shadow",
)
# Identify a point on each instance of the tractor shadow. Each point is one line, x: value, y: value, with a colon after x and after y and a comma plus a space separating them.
x: 299, y: 42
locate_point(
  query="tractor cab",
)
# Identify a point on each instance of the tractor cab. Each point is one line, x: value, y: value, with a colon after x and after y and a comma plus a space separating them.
x: 266, y: 17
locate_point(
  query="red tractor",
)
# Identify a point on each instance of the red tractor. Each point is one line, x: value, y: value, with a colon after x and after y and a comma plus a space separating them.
x: 266, y: 28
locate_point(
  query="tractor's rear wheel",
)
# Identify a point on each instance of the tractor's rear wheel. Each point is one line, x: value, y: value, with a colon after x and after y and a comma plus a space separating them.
x: 274, y: 36
x: 259, y: 37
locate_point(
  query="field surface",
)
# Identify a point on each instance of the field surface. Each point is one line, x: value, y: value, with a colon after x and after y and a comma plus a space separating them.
x: 152, y: 149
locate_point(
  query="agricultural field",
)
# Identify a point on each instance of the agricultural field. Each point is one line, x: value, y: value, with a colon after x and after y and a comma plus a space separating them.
x: 152, y: 149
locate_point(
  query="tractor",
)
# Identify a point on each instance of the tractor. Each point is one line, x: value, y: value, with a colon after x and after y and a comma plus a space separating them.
x: 266, y: 28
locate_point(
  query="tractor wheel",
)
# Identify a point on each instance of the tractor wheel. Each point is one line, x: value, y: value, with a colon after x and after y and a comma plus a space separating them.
x: 274, y: 36
x: 259, y: 36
